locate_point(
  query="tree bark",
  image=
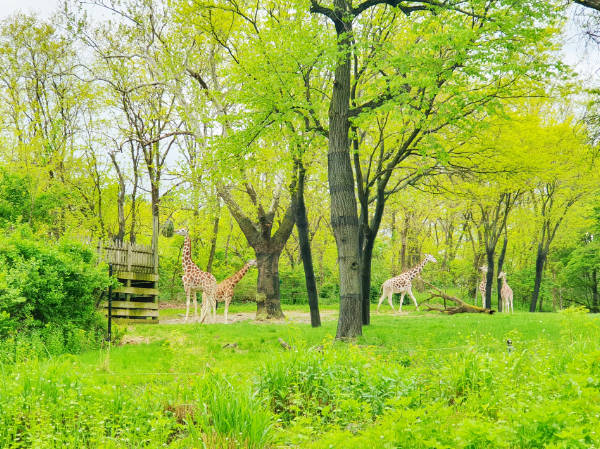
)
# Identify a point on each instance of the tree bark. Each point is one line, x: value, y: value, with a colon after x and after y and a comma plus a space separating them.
x: 155, y: 226
x: 593, y: 4
x: 134, y: 151
x: 120, y: 199
x: 268, y: 303
x: 367, y: 235
x: 365, y: 277
x: 344, y: 215
x: 500, y: 265
x: 461, y: 306
x: 213, y: 243
x: 305, y: 250
x: 489, y: 280
x: 394, y: 241
x: 267, y: 246
x: 404, y: 238
x: 539, y: 271
x: 595, y: 296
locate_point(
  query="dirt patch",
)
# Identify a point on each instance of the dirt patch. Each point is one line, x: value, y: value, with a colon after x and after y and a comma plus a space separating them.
x: 170, y: 305
x: 292, y: 316
x: 134, y: 340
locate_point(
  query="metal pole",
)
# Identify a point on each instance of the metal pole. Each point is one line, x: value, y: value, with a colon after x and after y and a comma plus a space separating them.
x: 110, y: 273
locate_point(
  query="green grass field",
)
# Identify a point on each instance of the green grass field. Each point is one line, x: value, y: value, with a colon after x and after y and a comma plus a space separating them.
x: 418, y: 380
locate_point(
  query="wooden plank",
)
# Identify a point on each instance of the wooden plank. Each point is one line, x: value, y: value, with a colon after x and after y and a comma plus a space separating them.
x: 140, y: 291
x: 133, y: 312
x: 132, y: 305
x: 137, y: 276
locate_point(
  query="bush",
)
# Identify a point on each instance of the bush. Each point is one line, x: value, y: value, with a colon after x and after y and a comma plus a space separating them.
x: 325, y: 388
x: 50, y: 287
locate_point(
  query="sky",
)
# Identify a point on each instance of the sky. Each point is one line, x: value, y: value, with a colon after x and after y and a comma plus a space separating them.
x: 584, y: 58
x: 42, y: 7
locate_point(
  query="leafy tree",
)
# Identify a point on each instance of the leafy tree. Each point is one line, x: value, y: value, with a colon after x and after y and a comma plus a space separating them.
x: 566, y: 177
x: 582, y: 273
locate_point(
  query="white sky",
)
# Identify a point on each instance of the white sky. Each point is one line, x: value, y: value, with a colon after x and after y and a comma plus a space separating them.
x: 584, y: 58
x: 42, y: 7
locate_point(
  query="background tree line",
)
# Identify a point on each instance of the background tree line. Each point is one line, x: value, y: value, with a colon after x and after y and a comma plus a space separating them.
x: 403, y: 127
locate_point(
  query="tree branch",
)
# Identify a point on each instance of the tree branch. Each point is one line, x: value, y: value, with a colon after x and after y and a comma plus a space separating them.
x: 248, y: 228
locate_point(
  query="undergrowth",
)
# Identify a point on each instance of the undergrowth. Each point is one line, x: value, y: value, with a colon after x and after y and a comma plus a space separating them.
x: 453, y: 387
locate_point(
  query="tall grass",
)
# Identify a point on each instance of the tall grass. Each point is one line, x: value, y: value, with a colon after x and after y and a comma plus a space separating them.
x: 416, y: 381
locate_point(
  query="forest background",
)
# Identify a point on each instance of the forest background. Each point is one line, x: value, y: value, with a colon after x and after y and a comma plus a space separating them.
x: 469, y: 139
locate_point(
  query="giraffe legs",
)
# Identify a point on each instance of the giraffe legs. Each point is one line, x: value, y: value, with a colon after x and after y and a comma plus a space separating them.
x: 195, y: 307
x: 188, y: 293
x: 209, y: 306
x: 212, y: 302
x: 410, y: 293
x: 389, y: 294
x: 203, y: 308
x: 401, y: 301
x: 227, y: 301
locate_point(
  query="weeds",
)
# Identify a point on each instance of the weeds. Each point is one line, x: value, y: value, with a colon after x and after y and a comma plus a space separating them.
x: 409, y: 383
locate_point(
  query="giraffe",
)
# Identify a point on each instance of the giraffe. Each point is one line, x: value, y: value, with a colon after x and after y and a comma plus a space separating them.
x: 482, y: 284
x: 195, y: 279
x: 225, y: 288
x: 403, y: 284
x: 506, y: 293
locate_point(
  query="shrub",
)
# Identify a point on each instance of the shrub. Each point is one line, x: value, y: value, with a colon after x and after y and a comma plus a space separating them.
x: 324, y: 388
x: 51, y: 287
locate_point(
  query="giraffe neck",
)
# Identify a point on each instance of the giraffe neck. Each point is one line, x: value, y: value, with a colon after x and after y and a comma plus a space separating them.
x: 237, y: 277
x: 416, y: 270
x: 186, y: 256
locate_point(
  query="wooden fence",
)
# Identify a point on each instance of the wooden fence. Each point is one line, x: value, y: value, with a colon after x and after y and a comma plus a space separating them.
x: 129, y: 257
x: 136, y: 299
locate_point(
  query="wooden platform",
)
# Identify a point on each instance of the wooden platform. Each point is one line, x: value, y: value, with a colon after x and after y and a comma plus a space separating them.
x: 136, y: 299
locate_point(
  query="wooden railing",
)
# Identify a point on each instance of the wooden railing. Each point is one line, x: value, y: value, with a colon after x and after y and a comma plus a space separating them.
x: 127, y: 257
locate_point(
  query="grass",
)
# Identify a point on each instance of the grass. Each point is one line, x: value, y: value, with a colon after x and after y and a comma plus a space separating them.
x: 413, y: 381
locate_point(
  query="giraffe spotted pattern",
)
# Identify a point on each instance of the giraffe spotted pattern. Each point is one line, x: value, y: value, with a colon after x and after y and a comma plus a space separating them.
x: 225, y: 288
x: 403, y: 284
x: 194, y: 280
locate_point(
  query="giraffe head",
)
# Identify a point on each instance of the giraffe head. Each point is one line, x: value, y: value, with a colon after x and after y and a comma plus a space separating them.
x: 502, y: 275
x: 484, y: 268
x: 252, y: 263
x: 430, y: 258
x: 183, y: 231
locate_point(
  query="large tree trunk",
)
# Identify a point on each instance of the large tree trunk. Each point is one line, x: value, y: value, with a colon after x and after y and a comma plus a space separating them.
x: 394, y: 242
x: 365, y: 278
x: 404, y: 238
x: 305, y: 251
x: 594, y: 4
x: 135, y: 157
x: 368, y: 234
x: 500, y: 265
x: 344, y: 216
x: 267, y: 246
x: 268, y: 304
x: 121, y: 214
x: 155, y: 225
x: 595, y: 296
x: 489, y: 280
x: 539, y: 270
x: 120, y: 199
x: 213, y: 243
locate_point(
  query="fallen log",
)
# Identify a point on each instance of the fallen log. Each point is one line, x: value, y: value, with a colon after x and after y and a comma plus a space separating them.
x: 461, y: 306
